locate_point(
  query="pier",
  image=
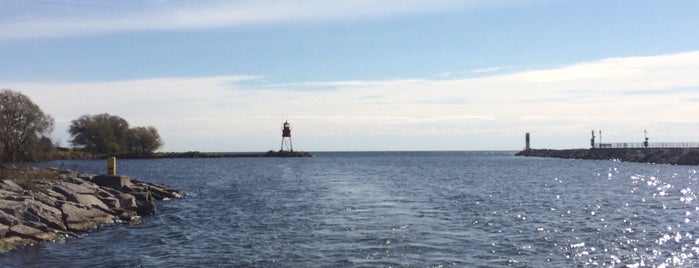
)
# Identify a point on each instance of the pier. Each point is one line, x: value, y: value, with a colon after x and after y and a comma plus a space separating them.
x: 615, y: 145
x: 675, y: 156
x: 677, y: 153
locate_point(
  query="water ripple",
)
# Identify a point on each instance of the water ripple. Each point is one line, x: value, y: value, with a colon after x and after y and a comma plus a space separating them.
x: 448, y: 209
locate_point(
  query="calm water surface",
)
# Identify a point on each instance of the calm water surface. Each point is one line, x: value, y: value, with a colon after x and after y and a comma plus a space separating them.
x: 425, y: 209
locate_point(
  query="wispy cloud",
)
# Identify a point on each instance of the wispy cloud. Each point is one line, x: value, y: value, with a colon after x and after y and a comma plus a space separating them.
x: 488, y: 70
x: 29, y: 19
x: 245, y: 111
x: 664, y: 91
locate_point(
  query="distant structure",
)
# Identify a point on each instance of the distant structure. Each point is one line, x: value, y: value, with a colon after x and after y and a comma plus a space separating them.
x: 526, y: 141
x: 600, y: 144
x: 286, y: 138
x: 644, y: 144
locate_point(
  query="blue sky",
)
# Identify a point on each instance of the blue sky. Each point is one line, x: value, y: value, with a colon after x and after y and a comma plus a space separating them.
x: 361, y: 74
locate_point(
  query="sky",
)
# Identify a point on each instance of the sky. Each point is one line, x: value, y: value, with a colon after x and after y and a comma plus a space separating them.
x: 361, y: 75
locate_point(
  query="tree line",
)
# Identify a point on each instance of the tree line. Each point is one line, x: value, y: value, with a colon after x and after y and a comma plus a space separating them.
x: 24, y: 130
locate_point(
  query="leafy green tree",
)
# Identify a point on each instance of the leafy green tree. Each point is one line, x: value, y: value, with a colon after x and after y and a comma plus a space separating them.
x: 144, y: 140
x: 100, y: 134
x: 23, y: 126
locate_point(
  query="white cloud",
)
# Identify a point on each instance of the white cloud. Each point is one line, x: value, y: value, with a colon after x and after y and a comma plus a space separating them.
x: 488, y: 70
x: 39, y: 19
x: 620, y: 95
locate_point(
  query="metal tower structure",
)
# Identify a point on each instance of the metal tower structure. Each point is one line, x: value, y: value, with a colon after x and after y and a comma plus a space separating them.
x: 645, y: 141
x: 286, y: 138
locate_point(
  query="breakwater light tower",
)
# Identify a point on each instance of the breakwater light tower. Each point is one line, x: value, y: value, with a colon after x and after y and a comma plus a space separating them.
x: 526, y: 142
x: 645, y: 141
x: 286, y: 138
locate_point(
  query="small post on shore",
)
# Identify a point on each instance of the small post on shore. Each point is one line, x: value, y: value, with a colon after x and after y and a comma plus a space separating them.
x: 111, y: 166
x: 112, y: 179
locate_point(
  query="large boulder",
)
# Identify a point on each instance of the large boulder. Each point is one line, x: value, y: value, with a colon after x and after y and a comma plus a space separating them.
x: 81, y: 218
x: 25, y: 231
x: 145, y: 203
x: 14, y: 208
x: 89, y: 201
x: 10, y: 186
x: 7, y: 219
x: 127, y: 201
x: 67, y: 188
x: 41, y: 215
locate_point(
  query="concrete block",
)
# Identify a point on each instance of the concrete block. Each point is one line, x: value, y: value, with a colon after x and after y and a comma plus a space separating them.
x: 113, y: 181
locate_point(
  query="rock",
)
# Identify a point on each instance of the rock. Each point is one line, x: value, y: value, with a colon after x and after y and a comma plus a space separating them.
x: 145, y: 203
x: 67, y: 188
x: 90, y: 201
x: 54, y: 196
x: 112, y: 203
x: 11, y: 242
x: 7, y: 219
x: 130, y: 217
x: 31, y: 233
x: 66, y: 201
x: 146, y: 208
x: 127, y: 201
x: 44, y: 214
x: 160, y: 192
x: 12, y: 207
x: 4, y: 229
x: 78, y: 218
x: 8, y: 195
x: 10, y: 185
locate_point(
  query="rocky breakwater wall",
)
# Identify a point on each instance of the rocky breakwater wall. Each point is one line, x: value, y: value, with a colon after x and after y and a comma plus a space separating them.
x: 50, y: 205
x: 676, y: 156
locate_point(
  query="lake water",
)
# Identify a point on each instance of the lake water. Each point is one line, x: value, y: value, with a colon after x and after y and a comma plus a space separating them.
x: 396, y: 209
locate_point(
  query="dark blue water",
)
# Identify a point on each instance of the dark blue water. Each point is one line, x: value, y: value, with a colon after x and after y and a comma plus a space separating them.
x: 425, y: 209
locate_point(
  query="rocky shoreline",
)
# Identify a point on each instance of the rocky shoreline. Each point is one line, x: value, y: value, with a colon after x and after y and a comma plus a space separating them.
x: 40, y: 205
x: 675, y: 156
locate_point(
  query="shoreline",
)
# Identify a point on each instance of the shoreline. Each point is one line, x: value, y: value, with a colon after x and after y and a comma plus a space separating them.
x: 218, y: 155
x: 190, y: 154
x: 673, y: 156
x: 48, y: 205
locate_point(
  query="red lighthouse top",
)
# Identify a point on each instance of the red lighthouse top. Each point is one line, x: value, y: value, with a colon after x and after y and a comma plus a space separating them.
x: 286, y: 131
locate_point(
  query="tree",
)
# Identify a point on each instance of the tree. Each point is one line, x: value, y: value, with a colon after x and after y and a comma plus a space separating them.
x: 23, y: 126
x: 100, y: 134
x: 144, y: 140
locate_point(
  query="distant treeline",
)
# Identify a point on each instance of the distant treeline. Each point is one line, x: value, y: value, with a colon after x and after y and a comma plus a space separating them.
x: 24, y: 131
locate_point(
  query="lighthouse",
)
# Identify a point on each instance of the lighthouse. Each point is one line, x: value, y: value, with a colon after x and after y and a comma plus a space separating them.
x: 526, y: 142
x: 286, y: 138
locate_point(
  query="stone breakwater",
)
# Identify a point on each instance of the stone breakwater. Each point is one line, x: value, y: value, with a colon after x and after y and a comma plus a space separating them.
x: 50, y: 205
x: 676, y: 156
